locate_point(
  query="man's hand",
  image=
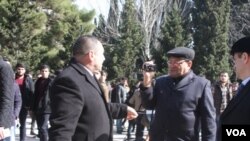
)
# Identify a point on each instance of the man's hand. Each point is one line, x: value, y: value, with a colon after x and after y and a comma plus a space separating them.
x: 1, y: 133
x: 148, y: 76
x: 131, y: 113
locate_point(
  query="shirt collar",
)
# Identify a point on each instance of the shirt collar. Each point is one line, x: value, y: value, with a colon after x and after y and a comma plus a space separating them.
x: 90, y: 72
x: 244, y: 82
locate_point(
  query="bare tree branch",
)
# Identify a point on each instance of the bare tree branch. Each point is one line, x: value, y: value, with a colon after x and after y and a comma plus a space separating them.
x: 149, y: 11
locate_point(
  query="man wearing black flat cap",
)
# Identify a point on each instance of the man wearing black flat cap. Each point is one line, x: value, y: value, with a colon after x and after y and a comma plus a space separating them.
x: 238, y: 110
x: 182, y: 101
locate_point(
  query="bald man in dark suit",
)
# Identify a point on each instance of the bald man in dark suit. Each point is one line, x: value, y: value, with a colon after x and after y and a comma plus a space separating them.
x: 79, y: 109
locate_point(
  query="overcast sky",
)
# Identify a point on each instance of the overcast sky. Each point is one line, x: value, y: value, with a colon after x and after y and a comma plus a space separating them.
x: 101, y: 6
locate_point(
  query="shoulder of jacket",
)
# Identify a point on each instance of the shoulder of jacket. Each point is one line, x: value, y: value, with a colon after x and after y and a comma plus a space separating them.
x: 162, y: 78
x: 200, y: 79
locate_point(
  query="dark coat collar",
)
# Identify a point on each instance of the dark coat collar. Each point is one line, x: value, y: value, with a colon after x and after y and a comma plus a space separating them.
x: 186, y: 80
x: 79, y: 68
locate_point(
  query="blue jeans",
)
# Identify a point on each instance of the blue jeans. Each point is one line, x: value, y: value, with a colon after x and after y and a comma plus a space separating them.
x: 119, y: 126
x: 6, y: 139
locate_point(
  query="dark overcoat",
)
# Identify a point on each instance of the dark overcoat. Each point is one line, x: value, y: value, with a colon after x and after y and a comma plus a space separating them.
x: 181, y: 110
x: 6, y: 95
x: 79, y: 111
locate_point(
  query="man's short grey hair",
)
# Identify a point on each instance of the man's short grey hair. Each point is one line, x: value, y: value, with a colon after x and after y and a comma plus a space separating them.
x: 84, y: 44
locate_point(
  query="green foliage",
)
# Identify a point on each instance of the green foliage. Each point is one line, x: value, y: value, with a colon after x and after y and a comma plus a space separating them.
x: 41, y: 32
x: 211, y: 20
x: 127, y: 49
x: 21, y: 26
x: 66, y: 23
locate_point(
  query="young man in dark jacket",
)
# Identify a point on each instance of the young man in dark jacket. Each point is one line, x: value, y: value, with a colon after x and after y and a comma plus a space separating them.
x: 26, y: 86
x: 41, y: 104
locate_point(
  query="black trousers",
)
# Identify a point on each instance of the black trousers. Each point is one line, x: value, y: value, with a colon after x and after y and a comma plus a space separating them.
x: 42, y: 124
x: 22, y: 119
x: 139, y: 128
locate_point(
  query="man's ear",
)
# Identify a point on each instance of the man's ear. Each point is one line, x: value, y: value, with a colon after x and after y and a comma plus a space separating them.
x: 91, y: 55
x: 190, y: 63
x: 245, y: 57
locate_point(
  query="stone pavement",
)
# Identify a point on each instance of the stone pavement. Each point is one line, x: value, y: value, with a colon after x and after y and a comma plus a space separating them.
x: 117, y: 137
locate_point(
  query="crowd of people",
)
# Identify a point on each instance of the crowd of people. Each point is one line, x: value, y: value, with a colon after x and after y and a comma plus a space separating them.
x: 80, y: 105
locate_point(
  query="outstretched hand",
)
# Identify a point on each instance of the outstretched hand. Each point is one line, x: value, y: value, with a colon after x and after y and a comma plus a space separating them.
x: 131, y: 113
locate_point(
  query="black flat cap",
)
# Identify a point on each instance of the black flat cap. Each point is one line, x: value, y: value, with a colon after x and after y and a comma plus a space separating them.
x: 242, y: 45
x: 183, y: 52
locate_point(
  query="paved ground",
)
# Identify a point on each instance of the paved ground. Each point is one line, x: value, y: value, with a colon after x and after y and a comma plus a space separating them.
x: 117, y: 137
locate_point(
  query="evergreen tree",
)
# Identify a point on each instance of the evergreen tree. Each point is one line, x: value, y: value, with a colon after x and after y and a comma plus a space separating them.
x: 21, y: 26
x: 66, y: 23
x: 38, y: 32
x: 100, y: 29
x: 127, y: 50
x: 211, y: 20
x: 114, y: 15
x: 174, y: 33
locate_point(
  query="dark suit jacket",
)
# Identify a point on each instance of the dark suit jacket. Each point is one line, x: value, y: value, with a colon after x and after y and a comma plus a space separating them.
x: 27, y: 92
x: 237, y: 111
x: 79, y: 110
x: 181, y: 109
x: 6, y: 95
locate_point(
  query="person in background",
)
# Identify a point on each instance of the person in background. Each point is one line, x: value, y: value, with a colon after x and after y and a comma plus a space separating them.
x: 41, y: 106
x: 119, y: 95
x: 6, y: 99
x: 79, y: 110
x: 136, y: 101
x: 222, y: 94
x: 26, y: 86
x: 127, y: 88
x: 131, y: 123
x: 237, y: 111
x: 234, y: 86
x: 101, y: 77
x: 32, y: 114
x: 183, y: 101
